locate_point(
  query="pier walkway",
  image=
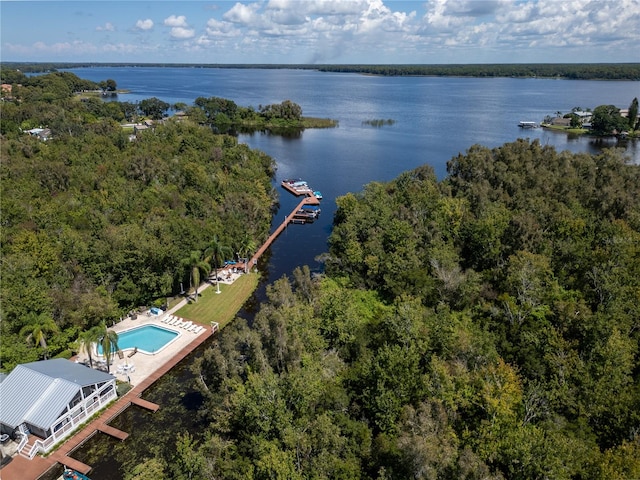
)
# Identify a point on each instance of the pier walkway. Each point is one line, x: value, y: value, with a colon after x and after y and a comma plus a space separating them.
x: 310, y: 199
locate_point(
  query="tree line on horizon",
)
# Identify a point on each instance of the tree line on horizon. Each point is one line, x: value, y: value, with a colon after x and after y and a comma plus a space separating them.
x: 572, y: 71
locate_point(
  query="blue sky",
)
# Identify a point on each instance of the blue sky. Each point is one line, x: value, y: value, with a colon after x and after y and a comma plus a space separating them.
x: 321, y: 31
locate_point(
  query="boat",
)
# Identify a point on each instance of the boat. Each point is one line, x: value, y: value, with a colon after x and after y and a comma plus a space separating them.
x: 297, y: 187
x: 306, y: 215
x: 70, y: 474
x: 527, y: 124
x: 317, y: 194
x: 315, y: 209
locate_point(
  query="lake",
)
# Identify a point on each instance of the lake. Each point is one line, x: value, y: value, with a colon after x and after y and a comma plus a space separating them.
x: 434, y: 120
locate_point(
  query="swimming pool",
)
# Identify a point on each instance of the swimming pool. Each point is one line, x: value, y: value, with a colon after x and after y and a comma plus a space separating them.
x: 149, y: 339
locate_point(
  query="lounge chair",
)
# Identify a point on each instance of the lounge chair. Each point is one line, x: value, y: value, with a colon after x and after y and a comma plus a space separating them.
x: 120, y: 354
x: 192, y: 328
x: 135, y: 350
x: 199, y: 330
x: 187, y: 325
x: 174, y: 321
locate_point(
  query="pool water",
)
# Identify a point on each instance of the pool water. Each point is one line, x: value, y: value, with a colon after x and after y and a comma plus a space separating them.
x: 148, y: 339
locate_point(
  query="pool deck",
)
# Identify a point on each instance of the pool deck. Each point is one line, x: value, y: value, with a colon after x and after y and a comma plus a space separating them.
x: 148, y: 369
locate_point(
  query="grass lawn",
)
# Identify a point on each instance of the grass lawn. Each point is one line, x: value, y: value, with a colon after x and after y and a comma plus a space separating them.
x: 221, y: 308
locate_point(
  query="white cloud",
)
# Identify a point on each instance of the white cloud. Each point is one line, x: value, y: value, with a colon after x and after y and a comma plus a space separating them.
x: 69, y: 49
x: 144, y: 24
x: 374, y: 31
x: 107, y: 27
x: 176, y: 21
x: 182, y: 33
x: 217, y: 28
x: 243, y: 14
x: 320, y: 7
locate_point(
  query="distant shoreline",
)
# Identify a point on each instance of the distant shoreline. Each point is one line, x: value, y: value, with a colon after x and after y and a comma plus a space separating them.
x: 567, y: 71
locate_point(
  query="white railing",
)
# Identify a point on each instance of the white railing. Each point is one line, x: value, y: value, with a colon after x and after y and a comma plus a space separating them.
x: 76, y: 419
x: 24, y: 438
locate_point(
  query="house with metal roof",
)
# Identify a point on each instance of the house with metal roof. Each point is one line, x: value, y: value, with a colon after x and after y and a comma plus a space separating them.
x: 49, y: 400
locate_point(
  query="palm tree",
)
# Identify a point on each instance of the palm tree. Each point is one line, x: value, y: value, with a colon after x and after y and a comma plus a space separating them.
x: 195, y: 264
x: 246, y: 246
x: 109, y: 342
x: 215, y: 254
x: 86, y: 340
x: 36, y: 330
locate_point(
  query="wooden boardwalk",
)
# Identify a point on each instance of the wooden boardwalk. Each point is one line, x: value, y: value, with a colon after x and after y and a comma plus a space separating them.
x: 310, y: 199
x: 21, y: 468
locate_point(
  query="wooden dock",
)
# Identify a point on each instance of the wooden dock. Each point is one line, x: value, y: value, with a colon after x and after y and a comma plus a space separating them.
x: 310, y: 199
x: 297, y: 191
x: 114, y: 432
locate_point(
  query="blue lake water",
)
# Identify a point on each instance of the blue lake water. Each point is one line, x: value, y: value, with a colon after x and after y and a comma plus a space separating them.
x: 435, y: 119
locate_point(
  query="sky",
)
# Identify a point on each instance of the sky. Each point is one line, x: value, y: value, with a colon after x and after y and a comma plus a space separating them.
x: 321, y: 31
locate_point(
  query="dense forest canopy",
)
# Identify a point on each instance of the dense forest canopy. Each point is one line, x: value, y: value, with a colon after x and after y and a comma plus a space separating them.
x: 485, y: 326
x: 574, y: 71
x: 95, y: 223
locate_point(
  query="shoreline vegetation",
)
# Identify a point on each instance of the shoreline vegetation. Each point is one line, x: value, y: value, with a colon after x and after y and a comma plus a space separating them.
x: 570, y: 71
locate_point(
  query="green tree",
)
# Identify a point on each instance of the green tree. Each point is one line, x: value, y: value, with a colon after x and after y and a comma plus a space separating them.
x: 153, y: 107
x: 246, y: 247
x: 86, y: 341
x: 575, y: 121
x: 108, y: 340
x: 37, y: 329
x: 108, y: 85
x: 195, y: 264
x: 188, y: 463
x: 607, y: 119
x: 149, y: 469
x: 215, y: 254
x: 633, y: 114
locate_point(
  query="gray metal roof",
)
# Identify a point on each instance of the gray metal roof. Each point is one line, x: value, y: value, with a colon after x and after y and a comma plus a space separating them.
x: 39, y: 392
